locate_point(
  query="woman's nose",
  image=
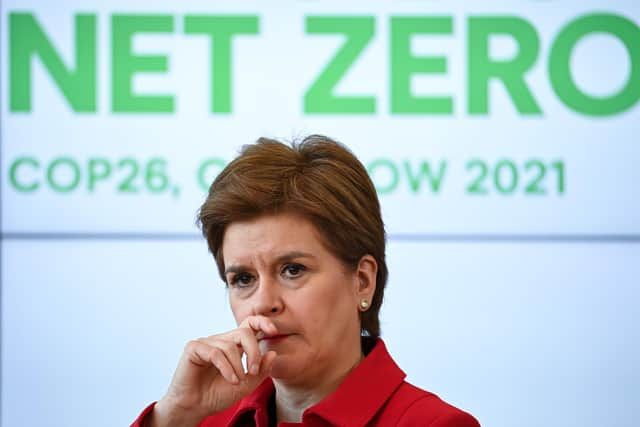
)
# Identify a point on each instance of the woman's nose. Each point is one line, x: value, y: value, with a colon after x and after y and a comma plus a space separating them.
x: 267, y: 298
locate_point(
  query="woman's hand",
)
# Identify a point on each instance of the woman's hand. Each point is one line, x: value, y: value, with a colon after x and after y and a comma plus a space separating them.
x: 210, y: 376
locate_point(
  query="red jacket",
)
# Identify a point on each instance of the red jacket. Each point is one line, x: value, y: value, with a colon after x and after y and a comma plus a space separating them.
x: 373, y: 394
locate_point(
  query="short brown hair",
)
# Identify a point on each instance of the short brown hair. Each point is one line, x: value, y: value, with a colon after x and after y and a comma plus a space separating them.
x: 318, y: 178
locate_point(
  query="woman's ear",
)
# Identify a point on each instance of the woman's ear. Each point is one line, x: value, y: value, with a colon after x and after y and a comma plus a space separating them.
x: 366, y: 273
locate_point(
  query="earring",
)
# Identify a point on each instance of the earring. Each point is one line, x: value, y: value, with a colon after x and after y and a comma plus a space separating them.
x: 364, y: 304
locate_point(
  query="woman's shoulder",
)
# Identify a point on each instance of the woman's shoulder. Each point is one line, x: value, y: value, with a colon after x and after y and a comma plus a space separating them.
x: 411, y: 406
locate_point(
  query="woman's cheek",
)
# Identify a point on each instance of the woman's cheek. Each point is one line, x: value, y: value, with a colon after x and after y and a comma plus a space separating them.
x: 240, y: 311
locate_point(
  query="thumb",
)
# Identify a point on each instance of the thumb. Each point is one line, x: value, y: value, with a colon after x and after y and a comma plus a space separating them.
x: 267, y: 363
x: 253, y: 381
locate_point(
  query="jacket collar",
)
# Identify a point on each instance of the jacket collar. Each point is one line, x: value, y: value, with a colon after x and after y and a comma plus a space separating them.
x: 354, y: 403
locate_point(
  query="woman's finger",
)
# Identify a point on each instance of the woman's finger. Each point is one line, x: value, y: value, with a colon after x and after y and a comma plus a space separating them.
x: 231, y: 352
x: 260, y: 324
x: 220, y: 361
x: 203, y: 354
x: 246, y: 339
x: 267, y: 363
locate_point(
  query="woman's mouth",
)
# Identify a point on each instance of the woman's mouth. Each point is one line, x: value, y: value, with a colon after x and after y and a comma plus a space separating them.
x: 274, y: 339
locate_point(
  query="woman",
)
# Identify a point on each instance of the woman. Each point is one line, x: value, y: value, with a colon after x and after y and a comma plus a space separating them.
x: 298, y: 238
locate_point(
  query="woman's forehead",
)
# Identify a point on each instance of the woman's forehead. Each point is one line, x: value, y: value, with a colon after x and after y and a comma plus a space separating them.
x: 271, y: 236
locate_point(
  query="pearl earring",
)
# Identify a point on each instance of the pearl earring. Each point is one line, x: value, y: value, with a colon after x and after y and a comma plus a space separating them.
x: 364, y: 304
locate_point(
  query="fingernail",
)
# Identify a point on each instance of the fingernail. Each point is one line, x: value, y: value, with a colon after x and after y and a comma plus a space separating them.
x: 234, y: 379
x: 255, y: 369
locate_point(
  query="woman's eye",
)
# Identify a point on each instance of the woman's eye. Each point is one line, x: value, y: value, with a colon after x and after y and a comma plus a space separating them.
x: 293, y: 270
x: 241, y: 280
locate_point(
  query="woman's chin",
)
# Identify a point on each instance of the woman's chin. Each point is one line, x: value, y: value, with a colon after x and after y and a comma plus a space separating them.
x: 285, y: 369
x: 280, y: 369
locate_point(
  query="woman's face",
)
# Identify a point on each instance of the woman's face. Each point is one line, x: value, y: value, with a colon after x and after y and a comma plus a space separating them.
x: 277, y: 266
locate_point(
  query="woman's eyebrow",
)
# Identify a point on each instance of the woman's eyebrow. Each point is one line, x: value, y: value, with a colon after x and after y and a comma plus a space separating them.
x: 293, y: 255
x: 235, y: 269
x: 239, y: 268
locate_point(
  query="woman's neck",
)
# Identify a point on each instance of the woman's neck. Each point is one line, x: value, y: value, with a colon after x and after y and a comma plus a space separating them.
x: 293, y: 399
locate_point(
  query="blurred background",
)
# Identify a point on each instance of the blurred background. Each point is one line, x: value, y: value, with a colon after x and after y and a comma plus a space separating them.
x: 502, y: 137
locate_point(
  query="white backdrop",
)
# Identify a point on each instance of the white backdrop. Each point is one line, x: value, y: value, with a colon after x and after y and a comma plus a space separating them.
x: 513, y: 291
